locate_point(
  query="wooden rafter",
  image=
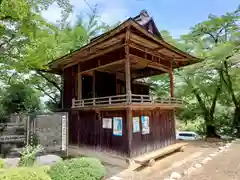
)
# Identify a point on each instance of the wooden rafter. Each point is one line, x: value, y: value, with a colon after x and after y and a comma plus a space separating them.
x: 99, y: 45
x: 100, y: 39
x: 138, y: 74
x: 162, y: 42
x: 149, y: 51
x: 96, y: 53
x: 103, y: 66
x: 150, y: 64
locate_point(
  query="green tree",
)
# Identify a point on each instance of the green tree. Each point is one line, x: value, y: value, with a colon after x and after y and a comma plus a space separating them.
x: 19, y: 97
x: 214, y: 42
x: 47, y: 47
x: 201, y: 85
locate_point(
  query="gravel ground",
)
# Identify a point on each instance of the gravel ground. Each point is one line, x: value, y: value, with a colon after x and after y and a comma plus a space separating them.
x: 199, y: 151
x: 163, y: 168
x: 225, y: 166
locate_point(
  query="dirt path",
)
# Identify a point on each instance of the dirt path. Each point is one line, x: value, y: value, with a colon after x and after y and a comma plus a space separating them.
x: 198, y: 153
x: 226, y: 166
x: 176, y: 162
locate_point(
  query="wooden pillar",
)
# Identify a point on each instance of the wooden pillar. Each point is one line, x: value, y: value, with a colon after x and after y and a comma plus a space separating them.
x: 127, y: 67
x: 79, y: 83
x: 93, y: 85
x: 171, y: 82
x: 129, y: 130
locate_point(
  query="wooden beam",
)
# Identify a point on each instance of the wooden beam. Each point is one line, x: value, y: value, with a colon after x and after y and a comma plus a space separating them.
x: 96, y: 53
x: 104, y: 66
x: 149, y: 51
x: 104, y: 37
x: 144, y: 41
x: 151, y: 64
x: 79, y: 83
x: 162, y: 42
x: 144, y: 74
x: 130, y: 131
x: 127, y: 66
x: 171, y: 82
x: 94, y: 85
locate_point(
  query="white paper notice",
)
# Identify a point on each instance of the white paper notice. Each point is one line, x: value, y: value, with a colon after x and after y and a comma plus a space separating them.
x: 107, y: 123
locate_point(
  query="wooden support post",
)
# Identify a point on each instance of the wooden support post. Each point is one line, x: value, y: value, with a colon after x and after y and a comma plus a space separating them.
x: 79, y: 83
x: 129, y: 128
x: 127, y: 67
x: 93, y: 85
x: 73, y: 103
x: 171, y: 82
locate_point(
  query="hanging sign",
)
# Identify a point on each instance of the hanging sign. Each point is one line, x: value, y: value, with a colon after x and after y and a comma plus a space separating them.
x: 145, y: 125
x: 136, y: 124
x: 107, y: 123
x: 117, y: 126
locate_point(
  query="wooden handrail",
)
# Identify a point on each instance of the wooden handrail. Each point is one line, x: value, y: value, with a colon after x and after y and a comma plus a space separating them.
x: 123, y: 99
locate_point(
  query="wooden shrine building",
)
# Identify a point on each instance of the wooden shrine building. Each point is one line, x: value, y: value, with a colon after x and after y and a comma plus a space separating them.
x: 108, y: 108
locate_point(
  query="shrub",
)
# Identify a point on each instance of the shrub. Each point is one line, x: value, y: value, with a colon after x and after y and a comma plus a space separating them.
x: 28, y: 155
x: 44, y: 168
x: 77, y: 169
x: 23, y: 173
x: 1, y: 163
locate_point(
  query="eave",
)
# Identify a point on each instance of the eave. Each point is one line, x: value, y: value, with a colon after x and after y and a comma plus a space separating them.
x: 186, y: 60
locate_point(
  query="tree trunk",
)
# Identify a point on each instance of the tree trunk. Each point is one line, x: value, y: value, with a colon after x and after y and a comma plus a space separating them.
x: 211, y: 132
x: 210, y: 127
x: 236, y: 121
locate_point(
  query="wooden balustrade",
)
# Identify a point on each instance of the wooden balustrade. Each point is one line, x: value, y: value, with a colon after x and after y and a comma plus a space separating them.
x: 123, y: 99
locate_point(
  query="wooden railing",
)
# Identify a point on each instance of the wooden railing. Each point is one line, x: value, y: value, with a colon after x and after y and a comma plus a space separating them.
x: 124, y: 99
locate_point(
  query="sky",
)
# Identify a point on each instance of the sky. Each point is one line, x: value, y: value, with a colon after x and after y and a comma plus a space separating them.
x: 176, y: 16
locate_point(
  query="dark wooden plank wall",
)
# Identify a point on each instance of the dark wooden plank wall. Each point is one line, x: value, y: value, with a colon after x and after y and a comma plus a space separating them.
x: 162, y: 132
x: 140, y: 89
x: 105, y: 84
x: 136, y: 88
x: 87, y: 83
x: 69, y: 86
x: 85, y: 129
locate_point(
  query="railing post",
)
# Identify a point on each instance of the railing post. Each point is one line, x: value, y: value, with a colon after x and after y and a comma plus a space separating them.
x: 110, y: 100
x: 141, y: 99
x: 73, y: 102
x: 152, y: 100
x: 129, y: 97
x: 94, y: 101
x: 82, y: 102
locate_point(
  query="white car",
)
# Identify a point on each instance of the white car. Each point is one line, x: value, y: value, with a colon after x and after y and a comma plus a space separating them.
x: 187, y: 135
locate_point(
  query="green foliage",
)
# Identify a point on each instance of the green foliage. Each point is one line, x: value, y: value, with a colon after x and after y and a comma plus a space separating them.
x: 210, y: 88
x: 1, y: 163
x: 23, y: 173
x: 196, y: 125
x: 77, y: 169
x: 44, y: 168
x: 28, y: 155
x: 22, y: 26
x: 20, y: 98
